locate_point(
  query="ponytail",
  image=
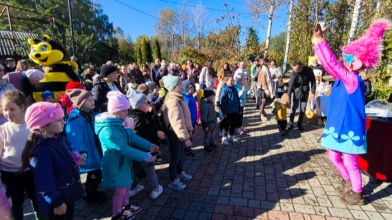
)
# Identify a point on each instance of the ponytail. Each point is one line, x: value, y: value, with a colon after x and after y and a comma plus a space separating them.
x: 31, y: 143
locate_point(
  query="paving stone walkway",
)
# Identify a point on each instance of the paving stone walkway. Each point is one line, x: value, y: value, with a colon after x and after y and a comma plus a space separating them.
x: 264, y: 176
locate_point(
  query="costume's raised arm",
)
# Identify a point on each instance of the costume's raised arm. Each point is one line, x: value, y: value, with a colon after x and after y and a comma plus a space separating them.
x: 333, y: 67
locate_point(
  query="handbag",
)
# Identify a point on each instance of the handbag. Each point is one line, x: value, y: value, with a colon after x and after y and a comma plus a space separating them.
x: 298, y: 93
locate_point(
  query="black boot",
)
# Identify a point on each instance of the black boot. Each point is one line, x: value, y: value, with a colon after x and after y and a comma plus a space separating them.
x: 213, y: 146
x: 207, y: 149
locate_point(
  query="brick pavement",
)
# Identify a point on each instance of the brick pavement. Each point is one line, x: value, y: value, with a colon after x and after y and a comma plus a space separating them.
x: 264, y: 176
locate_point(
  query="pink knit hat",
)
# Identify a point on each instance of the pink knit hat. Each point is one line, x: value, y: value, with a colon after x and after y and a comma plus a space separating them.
x: 117, y: 102
x: 42, y: 113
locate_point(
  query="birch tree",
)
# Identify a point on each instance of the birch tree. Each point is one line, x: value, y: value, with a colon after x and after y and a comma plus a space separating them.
x: 355, y: 20
x: 259, y: 7
x: 288, y: 34
x: 199, y: 23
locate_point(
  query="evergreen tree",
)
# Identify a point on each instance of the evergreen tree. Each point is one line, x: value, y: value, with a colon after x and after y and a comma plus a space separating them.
x: 157, y: 50
x: 144, y: 51
x: 149, y: 51
x: 139, y: 55
x: 252, y: 43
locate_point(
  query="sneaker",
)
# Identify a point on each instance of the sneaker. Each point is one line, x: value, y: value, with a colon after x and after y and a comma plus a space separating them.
x: 263, y: 118
x: 225, y: 142
x: 133, y: 192
x: 213, y: 145
x: 132, y: 208
x: 222, y: 133
x: 177, y: 185
x: 233, y: 139
x: 243, y: 129
x: 207, y: 149
x: 352, y: 198
x: 158, y: 161
x: 289, y: 126
x: 192, y: 155
x: 344, y: 189
x: 155, y: 193
x: 184, y: 176
x: 239, y: 131
x: 126, y: 215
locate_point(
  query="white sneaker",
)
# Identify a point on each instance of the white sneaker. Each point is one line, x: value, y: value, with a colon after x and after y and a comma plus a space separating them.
x: 136, y: 190
x: 154, y: 194
x: 225, y: 141
x: 222, y: 133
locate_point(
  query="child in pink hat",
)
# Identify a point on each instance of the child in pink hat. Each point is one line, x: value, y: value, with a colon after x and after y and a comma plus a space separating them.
x: 117, y: 140
x: 56, y: 174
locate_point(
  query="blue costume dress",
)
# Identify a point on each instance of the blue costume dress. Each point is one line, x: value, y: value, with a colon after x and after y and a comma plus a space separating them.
x: 345, y: 130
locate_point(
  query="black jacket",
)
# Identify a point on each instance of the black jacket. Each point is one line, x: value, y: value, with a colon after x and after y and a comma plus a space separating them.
x: 137, y: 76
x: 144, y: 125
x: 99, y: 91
x: 302, y: 80
x: 154, y: 70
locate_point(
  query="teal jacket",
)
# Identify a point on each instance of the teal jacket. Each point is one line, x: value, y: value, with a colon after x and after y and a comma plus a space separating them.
x: 117, y: 151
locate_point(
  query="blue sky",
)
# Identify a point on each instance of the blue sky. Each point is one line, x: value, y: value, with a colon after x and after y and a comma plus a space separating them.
x: 135, y: 23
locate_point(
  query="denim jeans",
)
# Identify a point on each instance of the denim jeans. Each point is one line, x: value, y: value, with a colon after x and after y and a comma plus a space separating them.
x: 302, y: 108
x: 176, y: 149
x: 149, y: 169
x: 208, y: 137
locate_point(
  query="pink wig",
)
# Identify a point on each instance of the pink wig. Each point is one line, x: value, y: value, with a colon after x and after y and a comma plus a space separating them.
x: 368, y: 48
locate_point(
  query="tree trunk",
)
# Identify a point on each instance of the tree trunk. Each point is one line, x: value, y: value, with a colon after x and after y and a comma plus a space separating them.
x: 199, y: 42
x: 378, y: 9
x: 270, y: 14
x: 288, y: 34
x: 355, y: 20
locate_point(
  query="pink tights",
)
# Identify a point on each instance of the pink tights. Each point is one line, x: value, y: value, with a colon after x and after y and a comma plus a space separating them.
x: 347, y: 167
x: 120, y: 199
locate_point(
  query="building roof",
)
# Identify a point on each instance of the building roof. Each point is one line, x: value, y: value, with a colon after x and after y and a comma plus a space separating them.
x: 20, y: 43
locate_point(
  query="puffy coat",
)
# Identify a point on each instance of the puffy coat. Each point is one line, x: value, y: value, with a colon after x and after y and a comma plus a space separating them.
x: 118, y: 151
x: 80, y: 135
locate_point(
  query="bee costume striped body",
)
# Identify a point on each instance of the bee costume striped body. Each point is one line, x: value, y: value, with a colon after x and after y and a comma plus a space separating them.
x: 58, y: 73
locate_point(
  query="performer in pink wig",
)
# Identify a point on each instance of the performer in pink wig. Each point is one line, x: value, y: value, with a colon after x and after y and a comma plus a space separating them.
x: 345, y: 131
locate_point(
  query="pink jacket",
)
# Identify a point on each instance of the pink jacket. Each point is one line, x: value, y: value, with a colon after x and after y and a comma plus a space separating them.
x: 334, y: 68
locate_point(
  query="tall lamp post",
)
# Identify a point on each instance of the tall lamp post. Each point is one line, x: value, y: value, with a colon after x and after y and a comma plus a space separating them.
x: 71, y: 26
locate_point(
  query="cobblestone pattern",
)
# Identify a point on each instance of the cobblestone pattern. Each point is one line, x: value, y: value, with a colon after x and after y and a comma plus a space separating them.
x: 264, y: 176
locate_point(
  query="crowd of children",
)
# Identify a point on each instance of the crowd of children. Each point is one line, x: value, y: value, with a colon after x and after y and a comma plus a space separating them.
x: 45, y: 147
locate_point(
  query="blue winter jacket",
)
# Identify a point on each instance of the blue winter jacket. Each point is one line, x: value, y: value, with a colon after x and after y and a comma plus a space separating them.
x: 80, y: 135
x: 229, y: 101
x: 192, y: 106
x: 241, y: 95
x: 117, y: 151
x: 56, y: 175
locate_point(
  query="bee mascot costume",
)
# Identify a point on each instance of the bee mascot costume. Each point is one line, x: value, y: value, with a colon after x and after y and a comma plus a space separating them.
x: 58, y: 73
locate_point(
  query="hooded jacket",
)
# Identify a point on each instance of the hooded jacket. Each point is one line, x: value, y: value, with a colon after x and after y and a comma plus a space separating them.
x: 177, y: 115
x: 118, y: 152
x: 56, y: 175
x: 229, y: 100
x: 76, y: 125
